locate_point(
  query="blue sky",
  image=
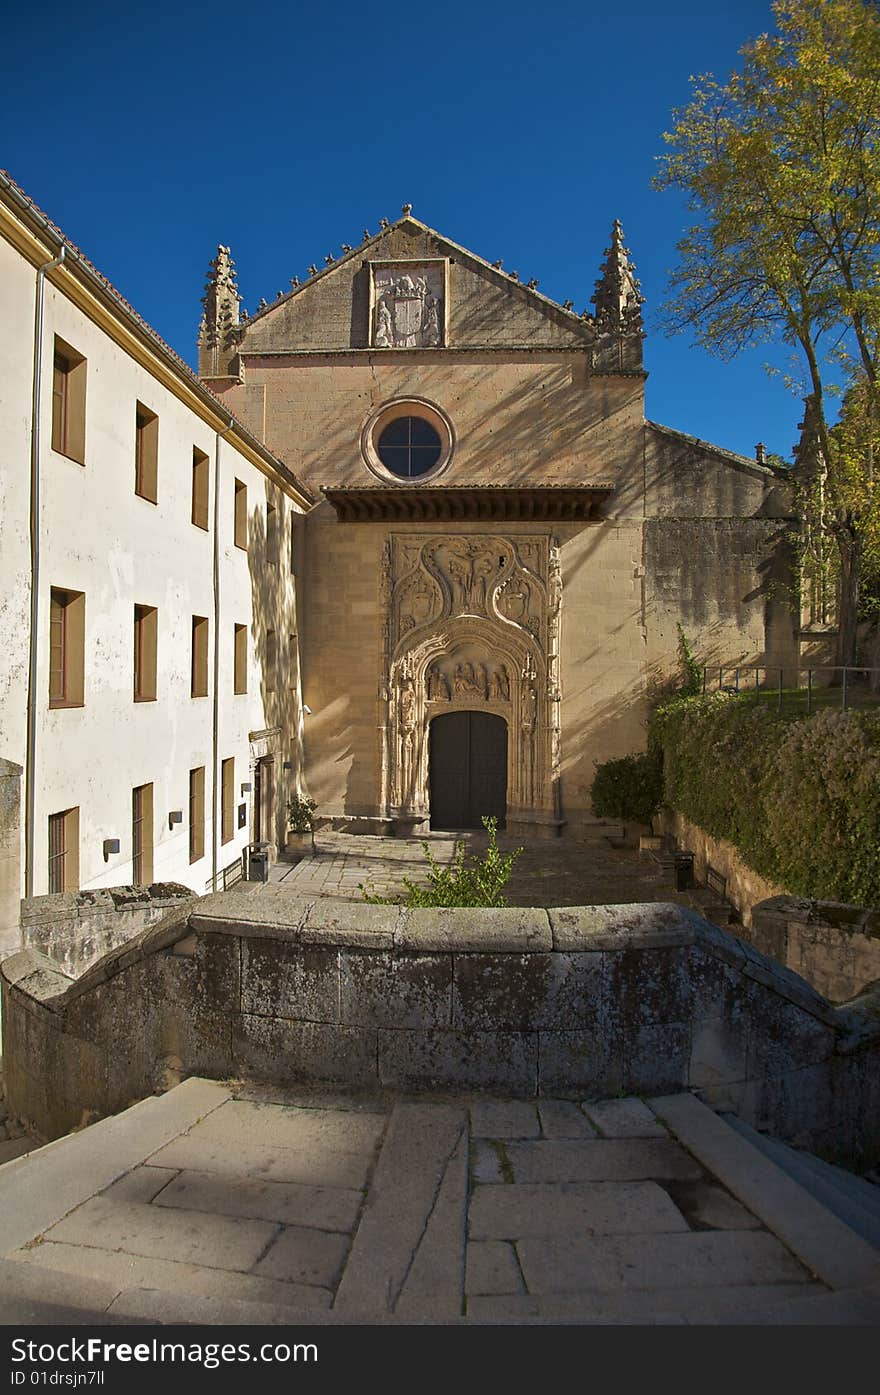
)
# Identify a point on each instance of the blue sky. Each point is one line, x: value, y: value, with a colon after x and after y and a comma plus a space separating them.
x: 152, y: 132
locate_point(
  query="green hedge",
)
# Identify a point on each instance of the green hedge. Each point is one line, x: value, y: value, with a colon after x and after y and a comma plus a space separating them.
x: 630, y: 789
x: 800, y: 799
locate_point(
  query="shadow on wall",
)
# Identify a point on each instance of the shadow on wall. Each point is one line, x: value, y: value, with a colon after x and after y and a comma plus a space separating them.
x: 275, y: 639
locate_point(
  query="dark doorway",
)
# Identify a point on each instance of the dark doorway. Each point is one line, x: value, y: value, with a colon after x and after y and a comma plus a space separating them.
x: 467, y: 769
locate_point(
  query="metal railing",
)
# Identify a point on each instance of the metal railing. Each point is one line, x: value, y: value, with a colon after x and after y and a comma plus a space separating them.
x: 226, y: 877
x: 790, y: 685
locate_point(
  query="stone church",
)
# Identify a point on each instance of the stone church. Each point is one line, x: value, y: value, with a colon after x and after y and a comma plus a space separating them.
x: 491, y: 587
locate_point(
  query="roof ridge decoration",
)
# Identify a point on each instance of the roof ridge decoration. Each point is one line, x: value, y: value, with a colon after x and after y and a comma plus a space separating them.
x: 582, y: 319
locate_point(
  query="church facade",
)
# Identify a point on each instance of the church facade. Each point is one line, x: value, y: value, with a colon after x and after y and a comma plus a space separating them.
x: 492, y: 584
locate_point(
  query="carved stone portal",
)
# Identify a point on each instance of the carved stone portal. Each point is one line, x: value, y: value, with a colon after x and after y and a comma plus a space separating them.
x: 472, y: 622
x: 409, y: 305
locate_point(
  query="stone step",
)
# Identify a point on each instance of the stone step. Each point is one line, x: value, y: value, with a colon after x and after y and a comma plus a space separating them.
x: 852, y: 1199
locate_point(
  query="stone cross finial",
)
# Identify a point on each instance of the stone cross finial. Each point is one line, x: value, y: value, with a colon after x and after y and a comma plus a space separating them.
x: 329, y: 259
x: 346, y: 248
x: 384, y: 223
x: 406, y: 210
x: 294, y: 282
x: 533, y: 284
x: 568, y: 304
x: 514, y: 275
x: 499, y: 264
x: 313, y: 270
x: 366, y: 235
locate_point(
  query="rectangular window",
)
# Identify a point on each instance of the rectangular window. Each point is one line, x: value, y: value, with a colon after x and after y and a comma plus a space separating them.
x: 64, y: 851
x: 271, y: 675
x: 240, y: 685
x: 241, y: 538
x: 67, y: 615
x: 69, y: 402
x: 146, y: 453
x: 197, y: 814
x: 271, y: 534
x: 227, y: 800
x: 200, y: 483
x: 146, y: 625
x: 292, y: 545
x: 199, y: 684
x: 142, y: 834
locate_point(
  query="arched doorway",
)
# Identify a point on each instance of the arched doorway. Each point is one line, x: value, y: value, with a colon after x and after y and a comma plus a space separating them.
x: 467, y: 769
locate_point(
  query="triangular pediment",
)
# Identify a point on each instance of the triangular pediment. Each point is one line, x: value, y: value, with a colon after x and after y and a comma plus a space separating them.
x: 473, y: 303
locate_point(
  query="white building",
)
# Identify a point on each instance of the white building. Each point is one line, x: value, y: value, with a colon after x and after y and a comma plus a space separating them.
x: 149, y: 679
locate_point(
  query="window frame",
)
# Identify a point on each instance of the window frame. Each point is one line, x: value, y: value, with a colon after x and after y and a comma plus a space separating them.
x: 69, y: 369
x: 146, y: 644
x: 67, y: 610
x: 146, y: 453
x: 65, y: 825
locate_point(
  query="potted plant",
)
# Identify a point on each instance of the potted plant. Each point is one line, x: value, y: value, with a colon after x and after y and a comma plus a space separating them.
x: 300, y: 825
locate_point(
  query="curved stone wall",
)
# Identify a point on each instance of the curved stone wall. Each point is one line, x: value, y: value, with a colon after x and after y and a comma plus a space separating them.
x: 583, y: 1001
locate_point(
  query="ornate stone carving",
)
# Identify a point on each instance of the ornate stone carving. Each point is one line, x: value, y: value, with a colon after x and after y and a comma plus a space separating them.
x: 408, y: 306
x: 472, y: 622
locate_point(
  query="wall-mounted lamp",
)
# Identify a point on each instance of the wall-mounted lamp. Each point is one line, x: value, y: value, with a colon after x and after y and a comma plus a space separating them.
x: 111, y: 845
x: 176, y: 816
x: 287, y: 765
x: 246, y: 787
x: 307, y: 709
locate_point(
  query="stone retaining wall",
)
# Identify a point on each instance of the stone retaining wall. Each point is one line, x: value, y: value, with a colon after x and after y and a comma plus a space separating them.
x: 76, y: 928
x: 582, y: 1001
x: 834, y: 947
x: 745, y: 886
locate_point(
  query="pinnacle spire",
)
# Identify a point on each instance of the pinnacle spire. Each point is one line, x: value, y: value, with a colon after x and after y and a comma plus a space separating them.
x: 618, y: 298
x: 218, y: 331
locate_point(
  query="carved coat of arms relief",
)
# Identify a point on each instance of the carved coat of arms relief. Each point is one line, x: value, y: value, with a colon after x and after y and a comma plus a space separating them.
x: 409, y: 306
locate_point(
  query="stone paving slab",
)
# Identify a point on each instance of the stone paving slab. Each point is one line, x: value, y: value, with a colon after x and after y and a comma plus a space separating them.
x: 492, y: 1267
x: 421, y: 1141
x: 504, y: 1119
x: 707, y: 1206
x: 711, y: 1258
x: 323, y: 1208
x: 435, y: 1281
x: 193, y: 1237
x: 629, y: 1118
x: 314, y: 1164
x: 601, y: 1159
x: 638, y: 1306
x: 286, y: 1127
x: 561, y: 1119
x: 593, y: 1208
x: 489, y: 1160
x: 303, y: 1256
x: 125, y: 1271
x: 140, y: 1185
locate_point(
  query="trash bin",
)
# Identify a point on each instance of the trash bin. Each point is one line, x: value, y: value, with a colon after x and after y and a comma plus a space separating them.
x: 684, y: 871
x: 258, y: 862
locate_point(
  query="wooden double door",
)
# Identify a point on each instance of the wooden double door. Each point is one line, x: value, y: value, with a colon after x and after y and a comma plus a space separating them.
x: 467, y: 769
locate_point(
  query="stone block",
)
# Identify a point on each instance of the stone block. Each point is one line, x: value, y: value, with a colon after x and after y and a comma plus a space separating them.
x: 504, y: 1119
x: 321, y: 1208
x: 572, y: 1062
x: 783, y: 1037
x: 531, y: 991
x: 616, y: 927
x: 248, y: 1122
x: 511, y: 930
x: 627, y: 1118
x: 380, y: 989
x: 280, y: 979
x: 456, y: 1060
x: 562, y: 1119
x: 355, y: 924
x: 657, y: 1053
x: 600, y: 1159
x: 706, y: 1206
x: 312, y: 1162
x: 190, y: 1237
x: 278, y: 1049
x: 577, y: 1208
x: 718, y: 1053
x: 303, y: 1256
x: 709, y: 1258
x: 492, y: 1267
x: 488, y: 1161
x: 141, y: 1184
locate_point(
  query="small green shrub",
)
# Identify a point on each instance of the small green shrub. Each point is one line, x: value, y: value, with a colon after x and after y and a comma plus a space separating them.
x: 630, y: 789
x: 467, y: 881
x: 300, y: 815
